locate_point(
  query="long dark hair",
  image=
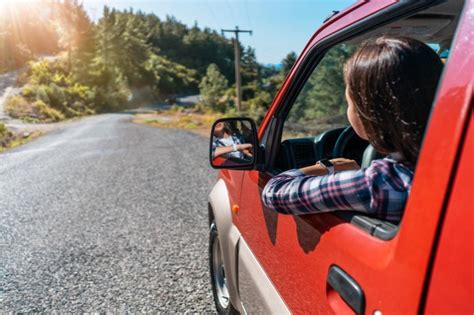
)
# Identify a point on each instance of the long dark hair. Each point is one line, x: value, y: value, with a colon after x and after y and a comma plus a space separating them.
x: 392, y: 82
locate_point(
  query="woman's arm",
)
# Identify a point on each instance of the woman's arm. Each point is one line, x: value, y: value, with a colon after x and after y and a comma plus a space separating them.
x: 223, y: 150
x: 228, y: 149
x: 311, y: 190
x: 293, y: 192
x: 381, y: 189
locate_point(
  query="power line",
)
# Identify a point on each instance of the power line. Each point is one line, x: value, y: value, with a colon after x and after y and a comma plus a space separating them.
x: 231, y: 11
x: 247, y: 13
x: 213, y: 14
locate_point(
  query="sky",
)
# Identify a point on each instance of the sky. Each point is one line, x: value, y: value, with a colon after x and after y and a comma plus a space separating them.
x: 278, y: 26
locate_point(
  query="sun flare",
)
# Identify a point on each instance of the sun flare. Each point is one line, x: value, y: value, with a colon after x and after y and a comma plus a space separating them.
x: 8, y: 5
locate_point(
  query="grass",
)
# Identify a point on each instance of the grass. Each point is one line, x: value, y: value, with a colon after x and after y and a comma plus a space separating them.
x: 189, y: 119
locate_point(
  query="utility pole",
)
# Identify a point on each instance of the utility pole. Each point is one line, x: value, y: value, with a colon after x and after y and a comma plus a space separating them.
x: 238, y: 82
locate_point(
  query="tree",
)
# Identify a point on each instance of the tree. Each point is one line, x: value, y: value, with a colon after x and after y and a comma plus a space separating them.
x: 251, y: 76
x: 323, y: 93
x: 288, y: 62
x: 122, y: 43
x: 22, y: 39
x: 167, y: 77
x: 250, y: 68
x: 213, y: 87
x: 69, y: 18
x: 203, y: 47
x: 76, y: 34
x: 128, y: 52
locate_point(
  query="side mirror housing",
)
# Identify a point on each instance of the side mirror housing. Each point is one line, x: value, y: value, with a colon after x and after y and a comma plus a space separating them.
x: 234, y: 144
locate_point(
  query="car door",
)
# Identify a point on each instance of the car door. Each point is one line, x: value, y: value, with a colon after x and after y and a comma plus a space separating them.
x: 324, y: 263
x: 451, y: 283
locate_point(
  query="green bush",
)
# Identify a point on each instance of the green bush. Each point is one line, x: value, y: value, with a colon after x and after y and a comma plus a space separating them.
x: 57, y: 96
x: 213, y: 87
x: 29, y: 90
x: 50, y: 83
x: 3, y: 131
x: 18, y: 107
x: 77, y: 92
x: 80, y: 92
x: 111, y: 92
x: 5, y: 136
x: 39, y: 72
x: 42, y: 94
x: 36, y: 92
x: 46, y: 113
x: 21, y: 108
x: 257, y: 107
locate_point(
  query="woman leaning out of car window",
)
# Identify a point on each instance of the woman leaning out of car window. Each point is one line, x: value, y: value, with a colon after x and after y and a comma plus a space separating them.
x: 390, y: 86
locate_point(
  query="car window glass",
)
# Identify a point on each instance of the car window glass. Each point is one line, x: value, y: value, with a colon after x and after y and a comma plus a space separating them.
x: 321, y: 103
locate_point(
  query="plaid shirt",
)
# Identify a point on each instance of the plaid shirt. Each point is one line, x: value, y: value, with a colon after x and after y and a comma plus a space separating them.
x: 216, y: 142
x: 381, y: 189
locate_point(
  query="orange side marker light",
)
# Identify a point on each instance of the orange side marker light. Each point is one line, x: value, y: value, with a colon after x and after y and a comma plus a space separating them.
x: 235, y: 209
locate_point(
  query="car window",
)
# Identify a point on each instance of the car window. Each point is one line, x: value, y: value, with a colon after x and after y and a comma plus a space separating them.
x: 316, y: 127
x: 321, y: 104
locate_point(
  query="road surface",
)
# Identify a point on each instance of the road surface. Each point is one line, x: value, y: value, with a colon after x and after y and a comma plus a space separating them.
x: 105, y: 215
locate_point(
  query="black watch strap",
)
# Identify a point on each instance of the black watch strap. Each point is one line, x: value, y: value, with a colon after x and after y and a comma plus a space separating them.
x: 326, y: 163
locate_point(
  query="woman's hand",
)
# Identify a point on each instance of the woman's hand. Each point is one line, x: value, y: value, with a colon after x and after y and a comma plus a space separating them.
x: 244, y: 146
x: 342, y: 164
x: 246, y: 149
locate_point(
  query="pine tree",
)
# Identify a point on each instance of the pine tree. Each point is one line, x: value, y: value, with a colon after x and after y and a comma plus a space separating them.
x: 213, y: 87
x: 288, y: 62
x: 251, y: 74
x: 250, y: 68
x: 168, y: 77
x: 323, y: 95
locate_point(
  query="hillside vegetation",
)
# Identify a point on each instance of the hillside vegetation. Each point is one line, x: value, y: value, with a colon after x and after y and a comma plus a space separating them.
x: 128, y: 58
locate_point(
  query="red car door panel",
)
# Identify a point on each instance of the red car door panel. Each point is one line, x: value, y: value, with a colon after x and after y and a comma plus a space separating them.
x: 451, y: 287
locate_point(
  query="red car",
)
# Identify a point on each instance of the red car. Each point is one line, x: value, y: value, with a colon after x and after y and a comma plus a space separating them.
x: 348, y: 262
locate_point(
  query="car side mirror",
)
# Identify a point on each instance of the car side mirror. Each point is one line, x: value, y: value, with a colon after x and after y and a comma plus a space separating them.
x: 233, y: 144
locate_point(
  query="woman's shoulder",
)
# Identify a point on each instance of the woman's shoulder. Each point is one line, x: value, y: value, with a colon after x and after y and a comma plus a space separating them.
x: 390, y: 171
x: 390, y: 162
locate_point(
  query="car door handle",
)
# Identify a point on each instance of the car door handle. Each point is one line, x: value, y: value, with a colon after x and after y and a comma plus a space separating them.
x: 348, y: 289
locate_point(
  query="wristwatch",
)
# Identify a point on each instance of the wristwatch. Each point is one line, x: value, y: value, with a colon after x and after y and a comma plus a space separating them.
x: 327, y: 165
x: 234, y: 147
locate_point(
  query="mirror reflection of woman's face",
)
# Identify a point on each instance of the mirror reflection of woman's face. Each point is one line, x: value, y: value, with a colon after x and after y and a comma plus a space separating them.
x: 219, y: 129
x: 219, y: 126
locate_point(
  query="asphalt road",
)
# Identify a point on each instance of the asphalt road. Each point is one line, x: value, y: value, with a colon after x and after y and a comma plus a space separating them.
x: 105, y: 215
